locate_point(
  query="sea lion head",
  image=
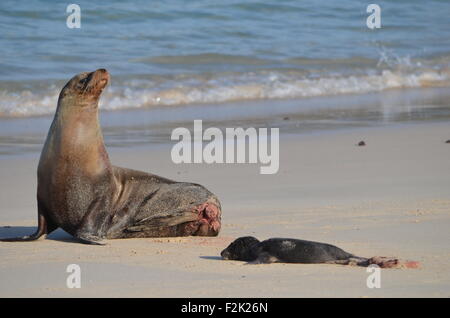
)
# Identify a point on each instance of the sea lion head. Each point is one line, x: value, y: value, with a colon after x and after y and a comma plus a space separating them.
x: 242, y: 249
x: 84, y: 89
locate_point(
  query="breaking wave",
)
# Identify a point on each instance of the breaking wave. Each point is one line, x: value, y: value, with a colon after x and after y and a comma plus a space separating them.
x: 296, y: 78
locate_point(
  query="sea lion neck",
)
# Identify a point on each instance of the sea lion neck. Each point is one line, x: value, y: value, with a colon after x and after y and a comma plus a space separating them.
x: 75, y: 135
x: 76, y: 119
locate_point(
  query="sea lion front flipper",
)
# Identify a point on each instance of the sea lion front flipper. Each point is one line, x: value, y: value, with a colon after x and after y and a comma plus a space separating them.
x: 264, y: 258
x: 202, y: 219
x: 164, y: 224
x: 91, y: 240
x: 166, y: 219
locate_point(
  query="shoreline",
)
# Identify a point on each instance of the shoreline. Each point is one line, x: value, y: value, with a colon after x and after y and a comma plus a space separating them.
x: 389, y: 198
x: 152, y: 126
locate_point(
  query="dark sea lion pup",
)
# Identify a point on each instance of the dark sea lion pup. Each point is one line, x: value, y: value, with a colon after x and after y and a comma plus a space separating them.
x: 81, y: 192
x: 286, y: 250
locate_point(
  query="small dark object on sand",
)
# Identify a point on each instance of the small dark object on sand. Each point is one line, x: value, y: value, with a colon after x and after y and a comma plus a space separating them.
x: 361, y: 143
x: 448, y: 141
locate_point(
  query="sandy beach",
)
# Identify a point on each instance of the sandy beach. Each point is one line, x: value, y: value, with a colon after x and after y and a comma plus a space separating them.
x: 389, y: 198
x: 321, y: 76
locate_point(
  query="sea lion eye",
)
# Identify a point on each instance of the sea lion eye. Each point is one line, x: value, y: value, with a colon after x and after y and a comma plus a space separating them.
x: 82, y: 83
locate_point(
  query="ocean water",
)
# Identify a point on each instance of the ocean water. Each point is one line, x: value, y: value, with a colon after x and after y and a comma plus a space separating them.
x: 166, y: 53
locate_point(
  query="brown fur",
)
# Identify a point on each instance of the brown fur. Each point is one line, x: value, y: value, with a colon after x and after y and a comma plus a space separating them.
x: 80, y: 191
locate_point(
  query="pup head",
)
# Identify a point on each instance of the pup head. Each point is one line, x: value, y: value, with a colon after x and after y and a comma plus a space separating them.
x: 241, y: 249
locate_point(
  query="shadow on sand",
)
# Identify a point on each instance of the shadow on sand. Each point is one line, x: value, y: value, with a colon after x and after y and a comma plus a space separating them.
x: 18, y: 231
x: 214, y: 258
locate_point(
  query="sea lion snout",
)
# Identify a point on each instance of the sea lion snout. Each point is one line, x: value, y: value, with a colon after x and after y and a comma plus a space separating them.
x: 99, y: 78
x: 225, y: 254
x: 102, y: 74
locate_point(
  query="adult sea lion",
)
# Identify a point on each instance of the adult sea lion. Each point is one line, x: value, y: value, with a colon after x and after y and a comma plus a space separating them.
x: 286, y: 250
x: 81, y: 192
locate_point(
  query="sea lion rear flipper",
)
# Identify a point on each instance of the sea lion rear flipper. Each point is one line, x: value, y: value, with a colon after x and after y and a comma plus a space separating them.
x: 352, y: 261
x: 27, y: 238
x: 380, y: 261
x: 392, y: 262
x: 44, y: 227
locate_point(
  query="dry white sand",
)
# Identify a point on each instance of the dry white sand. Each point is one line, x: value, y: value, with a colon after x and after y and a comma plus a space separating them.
x: 391, y: 198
